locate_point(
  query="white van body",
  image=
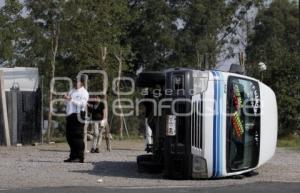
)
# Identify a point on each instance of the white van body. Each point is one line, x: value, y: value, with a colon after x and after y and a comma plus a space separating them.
x: 215, y: 123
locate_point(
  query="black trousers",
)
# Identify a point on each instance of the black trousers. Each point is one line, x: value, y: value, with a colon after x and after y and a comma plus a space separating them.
x: 75, y: 135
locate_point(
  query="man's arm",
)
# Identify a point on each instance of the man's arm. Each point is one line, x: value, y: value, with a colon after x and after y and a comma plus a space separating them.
x: 67, y: 97
x: 82, y: 102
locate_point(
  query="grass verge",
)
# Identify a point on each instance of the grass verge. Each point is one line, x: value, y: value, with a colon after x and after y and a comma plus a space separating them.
x: 290, y: 142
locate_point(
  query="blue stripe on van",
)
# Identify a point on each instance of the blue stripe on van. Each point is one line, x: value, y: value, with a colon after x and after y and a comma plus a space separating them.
x: 217, y: 124
x: 221, y: 92
x: 214, y: 127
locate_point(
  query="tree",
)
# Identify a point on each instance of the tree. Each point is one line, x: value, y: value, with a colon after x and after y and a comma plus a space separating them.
x: 182, y: 33
x: 276, y: 43
x: 96, y: 37
x: 152, y: 33
x: 46, y: 18
x: 10, y: 31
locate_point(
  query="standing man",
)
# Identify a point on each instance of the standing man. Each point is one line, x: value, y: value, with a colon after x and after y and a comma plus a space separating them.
x: 98, y: 118
x: 76, y: 102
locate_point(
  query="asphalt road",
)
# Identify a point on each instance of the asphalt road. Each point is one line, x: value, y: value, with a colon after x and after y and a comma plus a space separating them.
x: 271, y: 187
x: 30, y: 169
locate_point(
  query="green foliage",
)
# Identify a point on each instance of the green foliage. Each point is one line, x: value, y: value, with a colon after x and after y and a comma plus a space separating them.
x: 180, y: 33
x: 154, y: 34
x: 276, y: 43
x: 89, y: 27
x: 42, y: 26
x: 10, y: 31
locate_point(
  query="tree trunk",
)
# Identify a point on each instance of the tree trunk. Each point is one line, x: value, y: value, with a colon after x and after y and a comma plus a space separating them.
x: 121, y: 117
x: 102, y: 64
x: 54, y: 48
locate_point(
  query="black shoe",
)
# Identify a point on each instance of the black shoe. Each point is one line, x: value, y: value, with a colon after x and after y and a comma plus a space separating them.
x: 92, y: 150
x: 77, y: 160
x: 97, y: 150
x: 68, y: 160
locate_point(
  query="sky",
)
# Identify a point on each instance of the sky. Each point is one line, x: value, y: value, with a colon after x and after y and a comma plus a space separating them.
x: 1, y: 3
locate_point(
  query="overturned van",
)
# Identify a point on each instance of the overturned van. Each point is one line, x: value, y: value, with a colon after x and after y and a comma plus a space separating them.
x: 208, y: 124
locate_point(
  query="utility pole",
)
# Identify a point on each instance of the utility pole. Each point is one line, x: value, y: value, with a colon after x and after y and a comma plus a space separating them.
x: 4, y: 110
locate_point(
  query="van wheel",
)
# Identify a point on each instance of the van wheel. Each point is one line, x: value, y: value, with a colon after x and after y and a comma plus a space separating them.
x: 146, y: 164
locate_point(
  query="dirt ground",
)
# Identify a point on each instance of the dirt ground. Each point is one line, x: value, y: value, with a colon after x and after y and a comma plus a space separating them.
x: 42, y: 166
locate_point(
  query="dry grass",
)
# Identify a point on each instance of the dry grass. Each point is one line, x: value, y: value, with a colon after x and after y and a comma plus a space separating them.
x: 291, y: 142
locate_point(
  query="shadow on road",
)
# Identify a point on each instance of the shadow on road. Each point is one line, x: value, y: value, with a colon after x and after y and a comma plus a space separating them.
x: 124, y: 169
x: 53, y: 150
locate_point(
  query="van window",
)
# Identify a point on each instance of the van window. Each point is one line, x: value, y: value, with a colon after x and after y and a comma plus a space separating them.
x: 243, y: 124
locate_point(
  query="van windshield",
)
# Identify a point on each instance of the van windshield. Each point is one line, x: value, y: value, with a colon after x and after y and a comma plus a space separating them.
x: 243, y: 124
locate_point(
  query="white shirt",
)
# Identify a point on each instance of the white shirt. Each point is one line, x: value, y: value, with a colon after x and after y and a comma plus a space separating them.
x: 78, y: 102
